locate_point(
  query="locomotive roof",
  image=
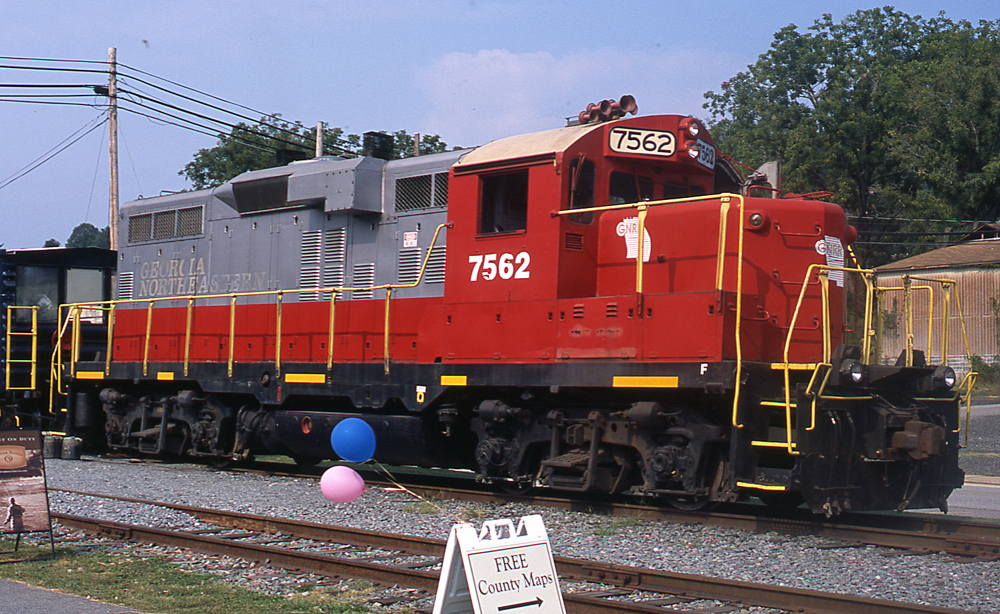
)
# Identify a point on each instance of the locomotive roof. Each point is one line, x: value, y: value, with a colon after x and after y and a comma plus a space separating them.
x: 527, y: 145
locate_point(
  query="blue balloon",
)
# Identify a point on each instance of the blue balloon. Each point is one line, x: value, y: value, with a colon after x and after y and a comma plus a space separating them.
x: 353, y: 440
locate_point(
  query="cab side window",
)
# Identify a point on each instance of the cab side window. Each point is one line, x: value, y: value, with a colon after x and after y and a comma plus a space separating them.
x: 581, y: 189
x: 629, y: 188
x: 504, y: 204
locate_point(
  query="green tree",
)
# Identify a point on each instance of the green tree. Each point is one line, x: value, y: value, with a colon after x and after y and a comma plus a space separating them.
x: 274, y: 142
x: 950, y: 137
x: 87, y: 235
x: 866, y: 109
x: 52, y: 243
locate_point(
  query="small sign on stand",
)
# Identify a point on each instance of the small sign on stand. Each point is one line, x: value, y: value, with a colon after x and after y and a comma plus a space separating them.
x: 502, y: 569
x: 24, y: 499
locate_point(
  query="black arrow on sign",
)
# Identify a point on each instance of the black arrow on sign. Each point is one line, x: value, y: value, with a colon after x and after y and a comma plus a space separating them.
x: 537, y: 601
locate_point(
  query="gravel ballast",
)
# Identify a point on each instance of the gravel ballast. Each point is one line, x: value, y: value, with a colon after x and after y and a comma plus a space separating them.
x: 769, y: 558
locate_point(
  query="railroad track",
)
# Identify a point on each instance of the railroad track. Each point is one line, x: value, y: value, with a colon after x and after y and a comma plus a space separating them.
x: 590, y: 587
x: 911, y: 531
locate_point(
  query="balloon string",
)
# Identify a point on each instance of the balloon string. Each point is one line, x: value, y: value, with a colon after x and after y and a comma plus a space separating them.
x: 395, y: 483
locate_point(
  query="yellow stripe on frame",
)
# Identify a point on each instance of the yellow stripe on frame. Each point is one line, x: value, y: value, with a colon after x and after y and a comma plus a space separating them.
x: 165, y: 375
x: 454, y: 380
x: 90, y: 375
x: 644, y: 381
x: 305, y: 378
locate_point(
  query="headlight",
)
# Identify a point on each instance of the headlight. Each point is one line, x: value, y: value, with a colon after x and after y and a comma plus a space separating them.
x: 944, y: 378
x: 851, y: 371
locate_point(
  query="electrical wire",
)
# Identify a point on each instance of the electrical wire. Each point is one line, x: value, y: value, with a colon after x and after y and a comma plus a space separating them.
x: 125, y: 80
x: 56, y: 150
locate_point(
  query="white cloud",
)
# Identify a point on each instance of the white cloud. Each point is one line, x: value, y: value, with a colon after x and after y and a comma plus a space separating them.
x: 475, y: 98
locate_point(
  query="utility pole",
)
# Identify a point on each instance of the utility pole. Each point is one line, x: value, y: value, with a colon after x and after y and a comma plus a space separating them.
x: 113, y: 145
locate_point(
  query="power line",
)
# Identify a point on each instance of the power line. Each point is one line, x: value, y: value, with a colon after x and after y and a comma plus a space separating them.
x: 187, y: 124
x: 62, y: 146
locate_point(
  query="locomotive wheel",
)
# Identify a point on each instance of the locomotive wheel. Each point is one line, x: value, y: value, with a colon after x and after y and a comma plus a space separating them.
x: 516, y: 488
x: 221, y: 462
x: 691, y: 503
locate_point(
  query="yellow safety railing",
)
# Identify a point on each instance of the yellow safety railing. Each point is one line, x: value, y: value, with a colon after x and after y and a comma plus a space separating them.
x: 822, y: 275
x: 32, y: 335
x: 948, y: 286
x: 70, y: 320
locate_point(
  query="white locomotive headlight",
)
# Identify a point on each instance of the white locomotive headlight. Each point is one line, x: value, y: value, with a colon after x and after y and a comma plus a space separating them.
x: 944, y: 378
x: 693, y: 150
x: 852, y: 371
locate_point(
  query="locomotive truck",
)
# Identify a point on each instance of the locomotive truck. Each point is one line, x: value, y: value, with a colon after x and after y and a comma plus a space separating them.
x: 594, y: 308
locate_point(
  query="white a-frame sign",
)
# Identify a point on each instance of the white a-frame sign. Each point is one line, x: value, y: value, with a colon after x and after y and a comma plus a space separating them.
x: 505, y: 569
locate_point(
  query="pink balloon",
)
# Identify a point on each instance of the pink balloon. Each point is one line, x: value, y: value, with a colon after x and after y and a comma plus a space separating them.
x: 341, y: 484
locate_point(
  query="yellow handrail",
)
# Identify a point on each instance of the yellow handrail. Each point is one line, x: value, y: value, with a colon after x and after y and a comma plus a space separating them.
x: 73, y: 319
x: 822, y: 272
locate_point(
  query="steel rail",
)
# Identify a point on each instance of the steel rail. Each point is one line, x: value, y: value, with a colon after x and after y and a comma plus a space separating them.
x: 685, y: 586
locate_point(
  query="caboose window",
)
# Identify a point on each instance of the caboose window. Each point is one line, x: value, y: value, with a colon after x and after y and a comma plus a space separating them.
x: 504, y: 205
x: 38, y: 286
x: 629, y: 188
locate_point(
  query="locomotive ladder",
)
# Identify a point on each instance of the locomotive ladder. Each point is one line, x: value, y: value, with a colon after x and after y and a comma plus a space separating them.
x: 12, y: 337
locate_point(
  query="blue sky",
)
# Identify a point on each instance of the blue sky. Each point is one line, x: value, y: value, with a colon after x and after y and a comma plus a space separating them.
x: 468, y: 70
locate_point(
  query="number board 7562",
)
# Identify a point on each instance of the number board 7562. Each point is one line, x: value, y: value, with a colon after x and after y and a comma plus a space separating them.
x: 640, y: 141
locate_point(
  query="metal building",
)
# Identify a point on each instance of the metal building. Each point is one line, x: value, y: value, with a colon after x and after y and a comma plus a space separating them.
x: 974, y: 266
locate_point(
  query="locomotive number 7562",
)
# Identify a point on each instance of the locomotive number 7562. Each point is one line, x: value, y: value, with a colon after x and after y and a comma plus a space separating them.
x: 505, y: 266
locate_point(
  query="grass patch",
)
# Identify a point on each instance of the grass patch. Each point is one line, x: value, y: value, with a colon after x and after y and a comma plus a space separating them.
x: 614, y: 525
x: 152, y: 584
x: 421, y: 507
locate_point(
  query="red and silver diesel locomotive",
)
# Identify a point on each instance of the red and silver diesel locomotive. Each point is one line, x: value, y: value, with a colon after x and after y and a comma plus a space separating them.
x: 594, y: 308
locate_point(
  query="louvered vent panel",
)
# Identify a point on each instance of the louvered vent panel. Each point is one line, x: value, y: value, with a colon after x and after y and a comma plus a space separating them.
x: 364, y: 277
x: 574, y: 242
x: 334, y: 256
x: 434, y: 273
x: 309, y: 265
x: 125, y: 285
x: 409, y: 265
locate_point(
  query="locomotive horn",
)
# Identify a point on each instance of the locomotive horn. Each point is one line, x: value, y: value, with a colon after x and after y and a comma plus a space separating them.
x: 599, y: 112
x: 628, y: 105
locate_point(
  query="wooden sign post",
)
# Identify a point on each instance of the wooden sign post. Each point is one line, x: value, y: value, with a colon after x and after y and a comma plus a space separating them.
x: 504, y: 569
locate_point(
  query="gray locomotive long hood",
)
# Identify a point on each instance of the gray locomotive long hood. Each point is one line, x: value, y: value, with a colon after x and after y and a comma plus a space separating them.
x: 339, y: 185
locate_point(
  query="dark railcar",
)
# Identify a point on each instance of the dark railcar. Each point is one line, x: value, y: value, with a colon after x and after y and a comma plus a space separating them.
x: 35, y: 284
